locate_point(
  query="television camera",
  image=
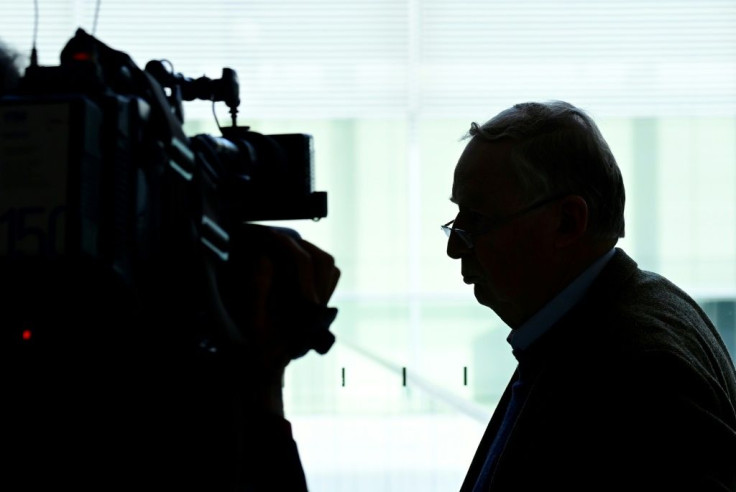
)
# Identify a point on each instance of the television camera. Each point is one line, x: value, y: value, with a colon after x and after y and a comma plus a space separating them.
x: 117, y: 229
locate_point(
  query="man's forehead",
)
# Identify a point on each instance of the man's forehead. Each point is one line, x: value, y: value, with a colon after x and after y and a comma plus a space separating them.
x: 482, y: 171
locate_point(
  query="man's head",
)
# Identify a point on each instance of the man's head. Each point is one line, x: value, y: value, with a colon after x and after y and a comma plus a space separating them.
x: 541, y: 196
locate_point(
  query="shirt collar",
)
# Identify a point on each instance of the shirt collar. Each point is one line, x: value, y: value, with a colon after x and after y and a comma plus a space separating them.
x: 536, y: 326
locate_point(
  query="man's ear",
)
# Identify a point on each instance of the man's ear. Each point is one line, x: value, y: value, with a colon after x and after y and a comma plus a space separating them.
x: 573, y: 220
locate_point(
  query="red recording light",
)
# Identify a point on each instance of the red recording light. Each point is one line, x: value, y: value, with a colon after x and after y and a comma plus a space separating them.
x: 81, y: 56
x: 26, y: 335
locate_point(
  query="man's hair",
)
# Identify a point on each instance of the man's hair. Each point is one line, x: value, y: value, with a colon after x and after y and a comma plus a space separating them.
x: 558, y: 148
x: 9, y: 71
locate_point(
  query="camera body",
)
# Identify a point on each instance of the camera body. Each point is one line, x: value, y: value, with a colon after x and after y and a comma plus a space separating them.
x: 107, y: 208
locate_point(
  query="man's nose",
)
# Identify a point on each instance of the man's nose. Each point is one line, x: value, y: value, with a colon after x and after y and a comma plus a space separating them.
x: 456, y: 247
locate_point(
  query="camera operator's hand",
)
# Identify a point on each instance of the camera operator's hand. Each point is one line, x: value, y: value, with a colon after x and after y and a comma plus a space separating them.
x: 283, y: 286
x: 294, y: 282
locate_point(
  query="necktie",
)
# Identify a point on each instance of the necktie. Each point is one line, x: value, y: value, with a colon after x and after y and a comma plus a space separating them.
x: 518, y: 392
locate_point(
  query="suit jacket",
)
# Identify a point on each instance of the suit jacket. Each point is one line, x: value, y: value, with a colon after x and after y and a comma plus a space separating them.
x: 633, y: 389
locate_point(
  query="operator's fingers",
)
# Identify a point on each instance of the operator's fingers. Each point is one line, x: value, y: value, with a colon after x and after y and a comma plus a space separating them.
x: 304, y: 266
x: 326, y: 273
x: 318, y: 275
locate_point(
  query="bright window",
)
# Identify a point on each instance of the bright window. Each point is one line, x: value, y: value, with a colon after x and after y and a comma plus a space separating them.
x: 387, y: 88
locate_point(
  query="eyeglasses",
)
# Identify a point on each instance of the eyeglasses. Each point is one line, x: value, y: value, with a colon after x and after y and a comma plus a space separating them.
x: 469, y: 237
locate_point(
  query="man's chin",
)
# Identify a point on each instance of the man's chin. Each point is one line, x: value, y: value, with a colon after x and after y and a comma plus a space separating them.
x: 482, y: 296
x: 501, y: 309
